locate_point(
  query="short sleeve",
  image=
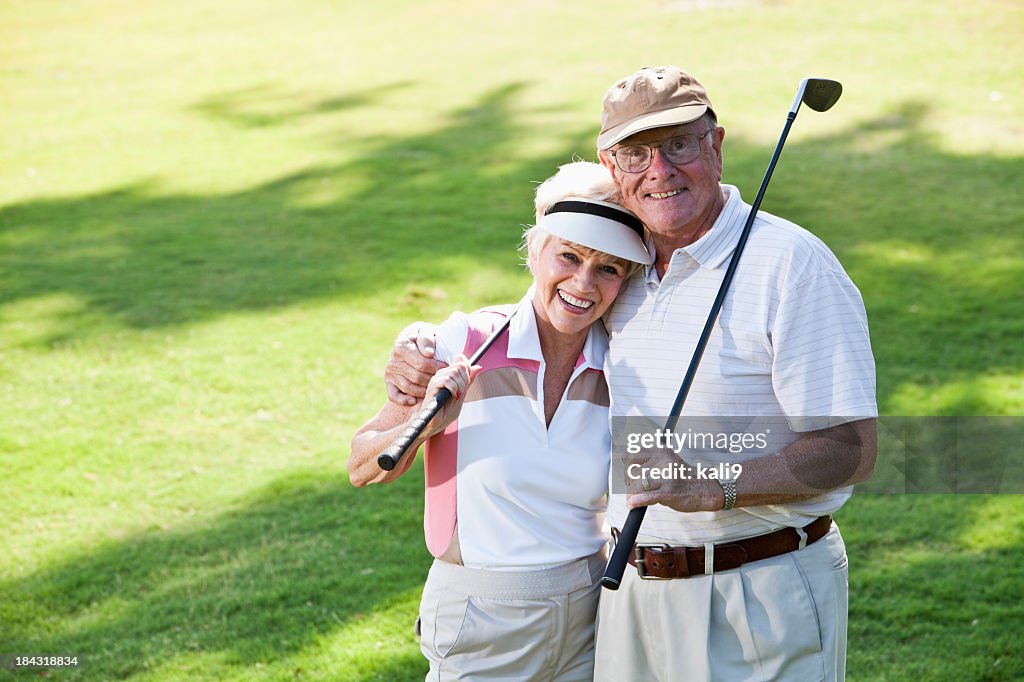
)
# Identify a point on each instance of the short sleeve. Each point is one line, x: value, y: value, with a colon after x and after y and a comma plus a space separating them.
x: 450, y: 339
x: 823, y: 366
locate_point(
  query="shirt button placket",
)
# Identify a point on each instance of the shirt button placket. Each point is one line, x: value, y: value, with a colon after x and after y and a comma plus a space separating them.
x: 681, y: 267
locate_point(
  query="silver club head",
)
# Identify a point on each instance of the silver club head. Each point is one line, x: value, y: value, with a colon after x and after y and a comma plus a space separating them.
x: 817, y: 93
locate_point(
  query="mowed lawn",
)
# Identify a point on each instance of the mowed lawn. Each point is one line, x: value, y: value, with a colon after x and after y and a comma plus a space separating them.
x: 215, y: 216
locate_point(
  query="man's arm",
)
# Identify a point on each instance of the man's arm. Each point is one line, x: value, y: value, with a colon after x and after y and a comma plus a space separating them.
x: 816, y: 463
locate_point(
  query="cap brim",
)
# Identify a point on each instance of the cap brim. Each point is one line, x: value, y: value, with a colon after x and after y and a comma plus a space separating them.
x: 659, y: 119
x: 600, y: 234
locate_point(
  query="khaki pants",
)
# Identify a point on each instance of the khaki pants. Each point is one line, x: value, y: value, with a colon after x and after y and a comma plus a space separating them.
x: 511, y: 625
x: 779, y: 619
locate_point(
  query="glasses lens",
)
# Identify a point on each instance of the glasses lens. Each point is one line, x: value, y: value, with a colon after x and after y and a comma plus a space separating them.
x: 682, y: 149
x: 633, y: 158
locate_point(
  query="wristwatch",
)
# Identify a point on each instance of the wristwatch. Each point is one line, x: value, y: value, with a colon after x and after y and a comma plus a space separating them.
x: 729, y: 488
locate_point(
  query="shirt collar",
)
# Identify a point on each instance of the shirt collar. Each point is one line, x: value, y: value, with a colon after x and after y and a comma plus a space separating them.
x: 524, y: 339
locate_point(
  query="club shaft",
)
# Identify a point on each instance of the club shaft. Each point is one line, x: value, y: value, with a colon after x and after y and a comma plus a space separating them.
x: 627, y: 536
x: 760, y: 192
x: 390, y: 458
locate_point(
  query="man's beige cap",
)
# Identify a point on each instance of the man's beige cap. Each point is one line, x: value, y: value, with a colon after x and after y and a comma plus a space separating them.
x: 651, y: 98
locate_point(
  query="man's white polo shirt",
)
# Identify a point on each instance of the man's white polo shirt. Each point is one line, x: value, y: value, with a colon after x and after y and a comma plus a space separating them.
x: 791, y: 341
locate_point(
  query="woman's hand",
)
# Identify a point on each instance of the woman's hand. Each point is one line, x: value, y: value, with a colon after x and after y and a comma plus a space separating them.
x: 456, y: 378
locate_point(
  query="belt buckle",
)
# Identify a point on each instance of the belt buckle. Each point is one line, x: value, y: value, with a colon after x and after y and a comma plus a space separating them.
x: 640, y: 557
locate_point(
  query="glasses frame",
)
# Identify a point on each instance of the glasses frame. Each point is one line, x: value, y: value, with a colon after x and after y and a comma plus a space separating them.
x: 660, y: 147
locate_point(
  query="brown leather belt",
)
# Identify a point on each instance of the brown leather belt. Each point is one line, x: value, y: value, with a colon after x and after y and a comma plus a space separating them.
x: 663, y: 562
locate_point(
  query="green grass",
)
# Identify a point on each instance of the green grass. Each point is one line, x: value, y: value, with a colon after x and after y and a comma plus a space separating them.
x: 214, y: 216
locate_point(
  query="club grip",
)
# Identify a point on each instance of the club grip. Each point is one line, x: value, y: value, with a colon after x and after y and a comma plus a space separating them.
x: 389, y: 459
x: 623, y: 546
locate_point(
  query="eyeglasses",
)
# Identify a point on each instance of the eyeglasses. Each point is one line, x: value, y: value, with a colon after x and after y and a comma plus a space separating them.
x: 636, y: 158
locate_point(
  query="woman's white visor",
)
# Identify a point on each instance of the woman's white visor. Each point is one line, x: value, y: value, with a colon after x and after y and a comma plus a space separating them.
x: 598, y: 225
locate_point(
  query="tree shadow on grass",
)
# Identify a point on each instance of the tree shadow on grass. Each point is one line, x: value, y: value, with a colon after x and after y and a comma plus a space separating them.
x: 141, y: 257
x: 265, y: 106
x: 300, y: 561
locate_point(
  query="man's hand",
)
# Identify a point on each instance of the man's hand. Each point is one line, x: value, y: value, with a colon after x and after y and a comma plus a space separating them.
x: 663, y: 477
x: 411, y: 364
x: 698, y: 496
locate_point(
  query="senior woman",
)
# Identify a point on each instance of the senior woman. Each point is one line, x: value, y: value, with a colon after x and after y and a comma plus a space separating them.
x: 517, y: 462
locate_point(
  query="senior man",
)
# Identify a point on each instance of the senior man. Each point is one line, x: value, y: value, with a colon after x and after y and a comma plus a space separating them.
x: 753, y: 569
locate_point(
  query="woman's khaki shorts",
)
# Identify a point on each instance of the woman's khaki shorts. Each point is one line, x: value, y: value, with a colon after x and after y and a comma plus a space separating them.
x: 511, y: 625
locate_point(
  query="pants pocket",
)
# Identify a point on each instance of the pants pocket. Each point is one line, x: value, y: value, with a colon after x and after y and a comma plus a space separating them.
x: 783, y: 623
x: 442, y: 617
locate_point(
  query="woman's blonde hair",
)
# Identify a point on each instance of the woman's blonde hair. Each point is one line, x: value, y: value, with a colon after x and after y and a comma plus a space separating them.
x: 581, y: 179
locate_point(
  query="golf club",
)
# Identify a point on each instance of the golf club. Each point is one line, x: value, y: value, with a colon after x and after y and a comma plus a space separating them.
x: 819, y: 94
x: 389, y: 459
